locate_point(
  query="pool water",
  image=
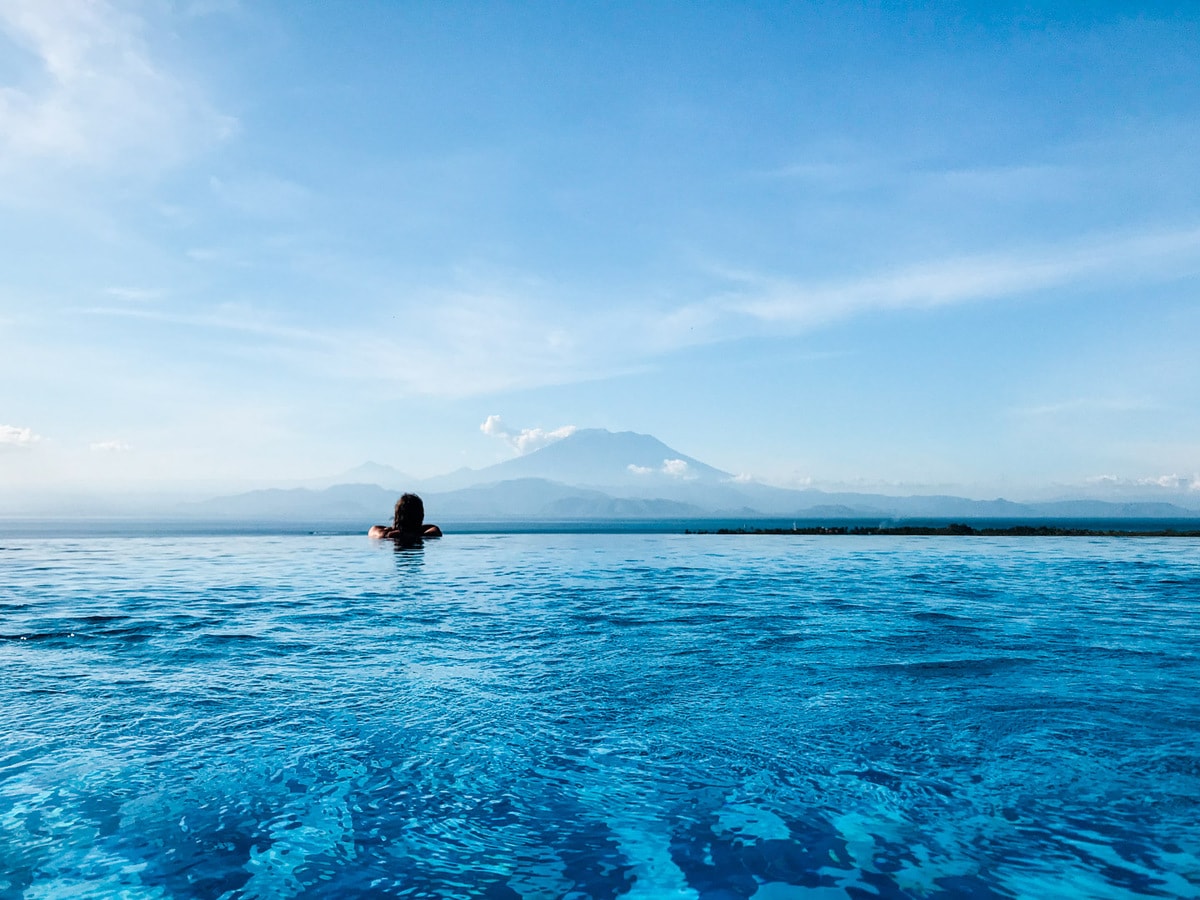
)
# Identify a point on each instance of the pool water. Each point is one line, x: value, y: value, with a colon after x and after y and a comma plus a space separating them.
x: 599, y: 715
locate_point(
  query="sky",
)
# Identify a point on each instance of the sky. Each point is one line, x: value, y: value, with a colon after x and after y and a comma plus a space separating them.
x: 909, y: 247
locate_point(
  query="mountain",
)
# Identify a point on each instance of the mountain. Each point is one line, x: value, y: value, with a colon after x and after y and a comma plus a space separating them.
x: 538, y: 498
x: 541, y: 499
x: 598, y: 474
x: 344, y: 502
x: 593, y: 457
x: 367, y: 473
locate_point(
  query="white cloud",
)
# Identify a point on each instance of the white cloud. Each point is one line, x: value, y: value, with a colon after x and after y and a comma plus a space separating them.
x: 94, y: 95
x: 527, y: 439
x: 12, y: 436
x: 676, y: 468
x: 1172, y: 482
x: 108, y: 447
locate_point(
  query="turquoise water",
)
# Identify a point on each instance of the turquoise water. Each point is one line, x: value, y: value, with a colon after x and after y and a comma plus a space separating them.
x: 599, y: 715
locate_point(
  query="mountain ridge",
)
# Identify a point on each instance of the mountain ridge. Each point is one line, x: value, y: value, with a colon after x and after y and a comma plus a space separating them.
x: 595, y: 474
x: 592, y: 457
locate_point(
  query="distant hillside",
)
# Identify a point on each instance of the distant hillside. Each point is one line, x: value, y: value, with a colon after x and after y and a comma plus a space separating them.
x: 538, y: 498
x: 346, y: 502
x: 592, y: 474
x: 367, y: 473
x: 598, y: 474
x: 1103, y: 509
x: 593, y: 457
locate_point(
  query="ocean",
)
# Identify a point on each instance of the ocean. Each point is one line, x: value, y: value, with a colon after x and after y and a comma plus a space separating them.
x: 641, y: 715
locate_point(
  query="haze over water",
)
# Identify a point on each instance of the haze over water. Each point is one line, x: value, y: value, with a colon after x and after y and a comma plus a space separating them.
x: 599, y: 715
x: 893, y: 247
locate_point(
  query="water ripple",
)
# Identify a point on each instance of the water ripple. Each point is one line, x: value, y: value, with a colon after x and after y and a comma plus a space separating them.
x: 599, y: 716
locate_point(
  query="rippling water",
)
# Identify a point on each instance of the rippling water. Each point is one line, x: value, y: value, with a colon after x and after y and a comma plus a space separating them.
x: 599, y: 716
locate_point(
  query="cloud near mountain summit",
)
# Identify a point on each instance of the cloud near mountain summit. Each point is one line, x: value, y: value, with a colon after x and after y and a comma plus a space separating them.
x: 527, y: 439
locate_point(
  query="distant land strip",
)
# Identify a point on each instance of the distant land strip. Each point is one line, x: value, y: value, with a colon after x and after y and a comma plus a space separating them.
x: 956, y: 530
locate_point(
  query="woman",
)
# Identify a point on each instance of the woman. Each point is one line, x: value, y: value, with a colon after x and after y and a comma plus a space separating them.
x: 408, y: 522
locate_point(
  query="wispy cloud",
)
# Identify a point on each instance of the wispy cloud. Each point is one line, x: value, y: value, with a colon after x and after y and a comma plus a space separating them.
x: 852, y: 170
x: 519, y: 335
x: 527, y: 439
x: 261, y: 196
x: 1172, y: 482
x: 228, y: 318
x: 1147, y: 256
x: 1086, y: 405
x: 109, y: 447
x: 14, y: 436
x: 95, y: 95
x: 200, y: 8
x: 1003, y: 181
x: 486, y: 342
x: 136, y: 295
x: 441, y: 346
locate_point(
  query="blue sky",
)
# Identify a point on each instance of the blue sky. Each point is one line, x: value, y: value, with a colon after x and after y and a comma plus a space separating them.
x: 900, y: 246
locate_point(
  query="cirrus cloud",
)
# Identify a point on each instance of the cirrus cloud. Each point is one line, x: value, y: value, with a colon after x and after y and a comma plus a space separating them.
x: 1132, y: 257
x: 93, y: 94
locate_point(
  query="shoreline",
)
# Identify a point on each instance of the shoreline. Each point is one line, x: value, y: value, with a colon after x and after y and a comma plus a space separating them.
x: 954, y: 530
x: 18, y: 528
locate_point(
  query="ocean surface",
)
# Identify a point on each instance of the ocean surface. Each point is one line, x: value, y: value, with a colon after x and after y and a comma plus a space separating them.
x: 599, y: 715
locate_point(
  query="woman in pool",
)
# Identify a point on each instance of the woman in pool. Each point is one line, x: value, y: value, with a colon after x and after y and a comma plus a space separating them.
x: 408, y: 523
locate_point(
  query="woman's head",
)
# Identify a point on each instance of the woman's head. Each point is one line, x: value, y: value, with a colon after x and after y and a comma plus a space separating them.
x: 410, y: 514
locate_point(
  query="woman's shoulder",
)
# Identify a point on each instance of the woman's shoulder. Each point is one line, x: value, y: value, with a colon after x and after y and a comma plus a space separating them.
x: 383, y: 531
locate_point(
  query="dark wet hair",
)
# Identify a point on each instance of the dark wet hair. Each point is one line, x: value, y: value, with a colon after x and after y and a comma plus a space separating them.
x: 410, y: 514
